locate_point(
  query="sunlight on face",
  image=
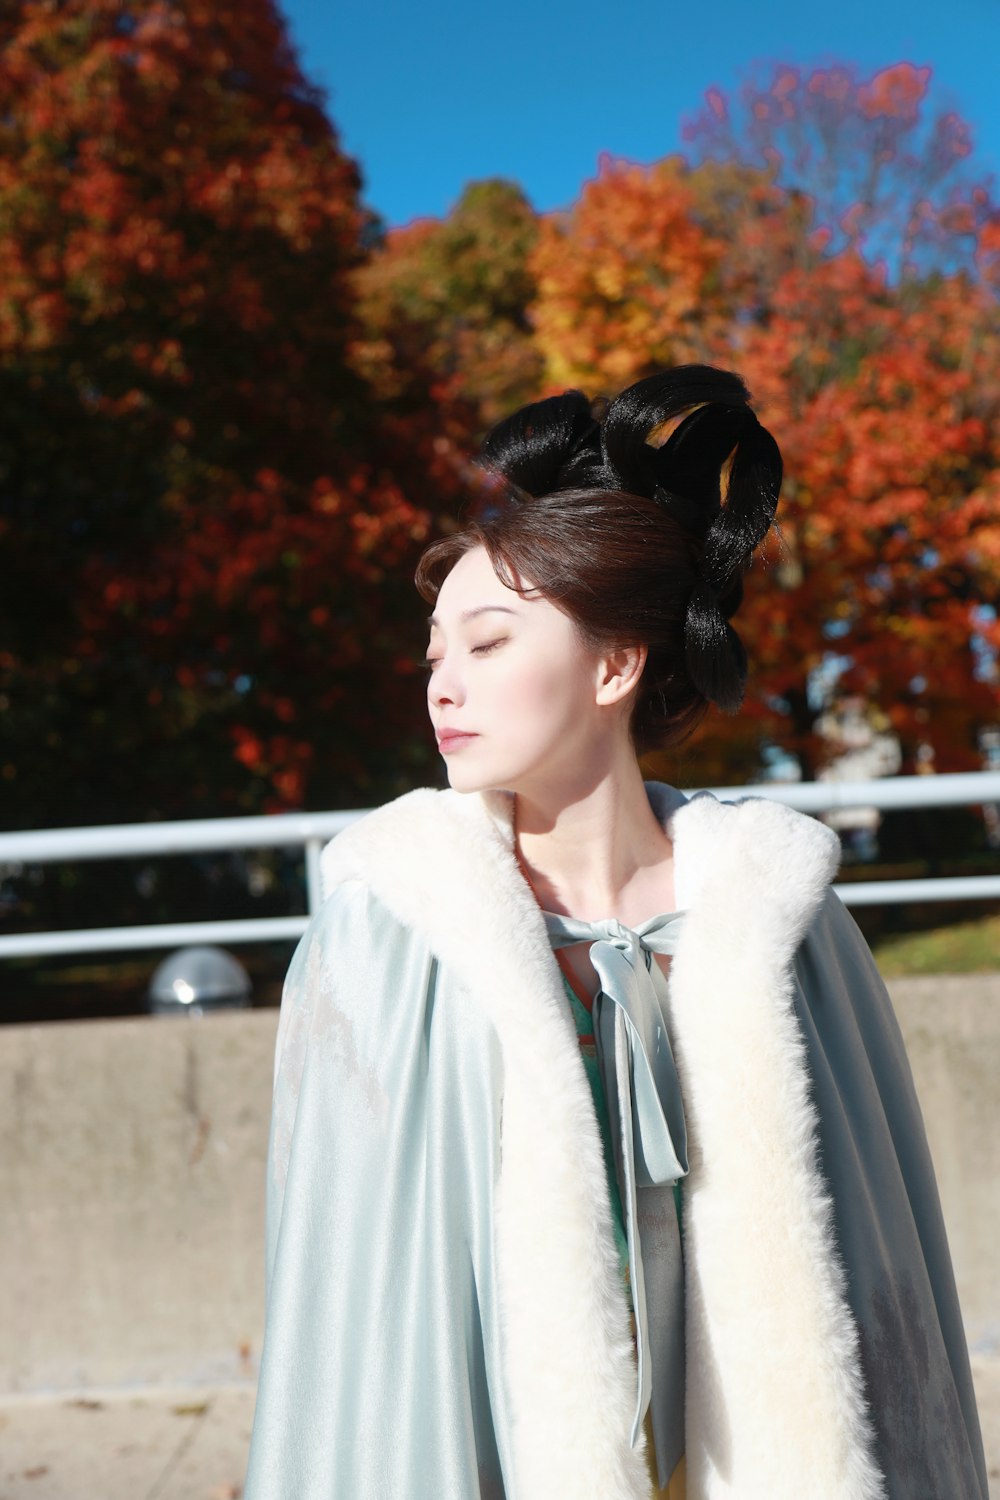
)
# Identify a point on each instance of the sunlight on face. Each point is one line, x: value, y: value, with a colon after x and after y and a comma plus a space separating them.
x: 521, y: 683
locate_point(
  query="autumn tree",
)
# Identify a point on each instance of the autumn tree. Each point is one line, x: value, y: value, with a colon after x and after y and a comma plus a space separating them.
x: 887, y: 402
x: 209, y: 520
x: 888, y: 168
x: 450, y: 296
x: 884, y: 395
x: 645, y: 269
x: 879, y: 365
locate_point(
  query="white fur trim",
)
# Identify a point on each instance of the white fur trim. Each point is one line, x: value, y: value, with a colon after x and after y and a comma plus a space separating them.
x: 775, y: 1406
x: 751, y: 876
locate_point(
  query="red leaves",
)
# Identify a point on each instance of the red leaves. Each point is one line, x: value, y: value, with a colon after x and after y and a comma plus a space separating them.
x: 885, y: 398
x: 896, y: 92
x: 217, y: 510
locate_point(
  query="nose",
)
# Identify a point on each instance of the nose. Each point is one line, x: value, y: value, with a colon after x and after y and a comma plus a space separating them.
x: 444, y: 685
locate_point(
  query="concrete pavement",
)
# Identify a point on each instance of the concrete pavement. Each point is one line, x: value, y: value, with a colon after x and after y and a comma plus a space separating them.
x: 180, y: 1443
x: 168, y: 1443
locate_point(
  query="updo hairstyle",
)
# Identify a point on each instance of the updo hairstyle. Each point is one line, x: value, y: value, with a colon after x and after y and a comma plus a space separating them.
x: 638, y: 543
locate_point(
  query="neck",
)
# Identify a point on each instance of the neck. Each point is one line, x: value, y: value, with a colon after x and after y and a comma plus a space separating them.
x: 596, y: 851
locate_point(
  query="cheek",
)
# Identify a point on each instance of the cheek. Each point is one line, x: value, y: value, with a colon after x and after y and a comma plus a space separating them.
x: 547, y: 691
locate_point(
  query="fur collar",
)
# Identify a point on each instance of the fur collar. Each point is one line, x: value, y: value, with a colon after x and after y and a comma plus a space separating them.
x: 443, y: 863
x: 774, y: 1400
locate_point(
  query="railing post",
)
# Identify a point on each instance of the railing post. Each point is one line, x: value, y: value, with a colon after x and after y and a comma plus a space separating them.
x: 314, y: 884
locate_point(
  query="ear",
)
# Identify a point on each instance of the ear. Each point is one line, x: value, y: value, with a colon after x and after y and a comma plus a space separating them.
x: 618, y: 673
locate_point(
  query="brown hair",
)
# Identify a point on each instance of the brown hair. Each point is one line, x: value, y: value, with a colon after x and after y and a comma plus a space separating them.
x: 633, y: 541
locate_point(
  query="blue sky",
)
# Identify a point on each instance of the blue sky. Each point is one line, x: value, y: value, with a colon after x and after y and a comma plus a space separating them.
x: 428, y: 97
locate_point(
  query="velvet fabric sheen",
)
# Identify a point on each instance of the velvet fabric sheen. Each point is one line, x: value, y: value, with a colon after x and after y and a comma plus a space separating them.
x: 381, y: 1284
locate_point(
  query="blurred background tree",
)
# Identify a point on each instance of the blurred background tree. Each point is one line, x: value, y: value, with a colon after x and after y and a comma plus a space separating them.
x: 889, y: 171
x: 451, y: 297
x: 209, y: 517
x: 871, y: 341
x: 234, y: 408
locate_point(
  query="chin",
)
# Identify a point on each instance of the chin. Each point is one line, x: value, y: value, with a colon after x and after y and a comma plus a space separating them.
x: 466, y: 777
x: 468, y: 781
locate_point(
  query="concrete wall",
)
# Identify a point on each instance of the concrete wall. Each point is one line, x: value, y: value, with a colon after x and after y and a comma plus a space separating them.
x: 951, y: 1025
x: 132, y: 1157
x: 132, y: 1160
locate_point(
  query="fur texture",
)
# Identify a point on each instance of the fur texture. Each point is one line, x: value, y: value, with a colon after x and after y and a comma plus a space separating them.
x: 775, y: 1406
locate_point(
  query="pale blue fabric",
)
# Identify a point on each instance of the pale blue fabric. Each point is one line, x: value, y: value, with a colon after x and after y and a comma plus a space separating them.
x: 631, y: 1013
x: 380, y: 1372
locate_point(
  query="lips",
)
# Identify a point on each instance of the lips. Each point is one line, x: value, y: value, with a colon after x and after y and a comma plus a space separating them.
x: 449, y: 737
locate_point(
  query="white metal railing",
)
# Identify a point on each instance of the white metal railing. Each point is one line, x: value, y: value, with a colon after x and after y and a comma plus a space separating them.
x: 310, y: 831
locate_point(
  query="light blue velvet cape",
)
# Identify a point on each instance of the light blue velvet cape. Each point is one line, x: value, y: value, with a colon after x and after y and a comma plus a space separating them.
x: 384, y: 1373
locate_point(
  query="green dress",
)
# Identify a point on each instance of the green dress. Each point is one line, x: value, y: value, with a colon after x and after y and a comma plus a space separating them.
x: 676, y: 1486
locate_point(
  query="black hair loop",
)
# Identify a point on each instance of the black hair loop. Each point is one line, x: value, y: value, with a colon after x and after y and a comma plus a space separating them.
x: 717, y: 476
x: 689, y: 514
x: 715, y: 655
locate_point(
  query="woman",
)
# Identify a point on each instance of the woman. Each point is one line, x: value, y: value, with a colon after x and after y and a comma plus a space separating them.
x: 596, y: 1168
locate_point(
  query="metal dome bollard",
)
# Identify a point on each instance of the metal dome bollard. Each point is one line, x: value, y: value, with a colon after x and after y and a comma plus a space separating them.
x: 194, y: 981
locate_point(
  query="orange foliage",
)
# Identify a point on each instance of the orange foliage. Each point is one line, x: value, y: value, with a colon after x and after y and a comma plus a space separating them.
x: 625, y: 278
x: 885, y: 399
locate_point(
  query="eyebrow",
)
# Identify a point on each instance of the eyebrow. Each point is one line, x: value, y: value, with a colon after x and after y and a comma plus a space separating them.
x: 480, y: 609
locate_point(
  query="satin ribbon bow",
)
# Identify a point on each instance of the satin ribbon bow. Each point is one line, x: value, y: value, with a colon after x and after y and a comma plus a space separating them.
x: 642, y: 1089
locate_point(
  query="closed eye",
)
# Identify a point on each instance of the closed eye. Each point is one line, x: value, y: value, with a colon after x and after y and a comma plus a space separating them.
x: 430, y: 662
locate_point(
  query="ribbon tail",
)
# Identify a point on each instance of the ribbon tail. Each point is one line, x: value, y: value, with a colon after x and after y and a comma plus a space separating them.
x: 650, y: 1148
x: 623, y: 1079
x: 664, y: 1285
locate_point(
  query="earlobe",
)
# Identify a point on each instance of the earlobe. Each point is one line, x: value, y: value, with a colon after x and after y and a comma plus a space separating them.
x: 620, y: 672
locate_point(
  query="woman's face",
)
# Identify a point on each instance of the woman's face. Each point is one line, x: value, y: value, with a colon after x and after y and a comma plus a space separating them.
x: 513, y: 673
